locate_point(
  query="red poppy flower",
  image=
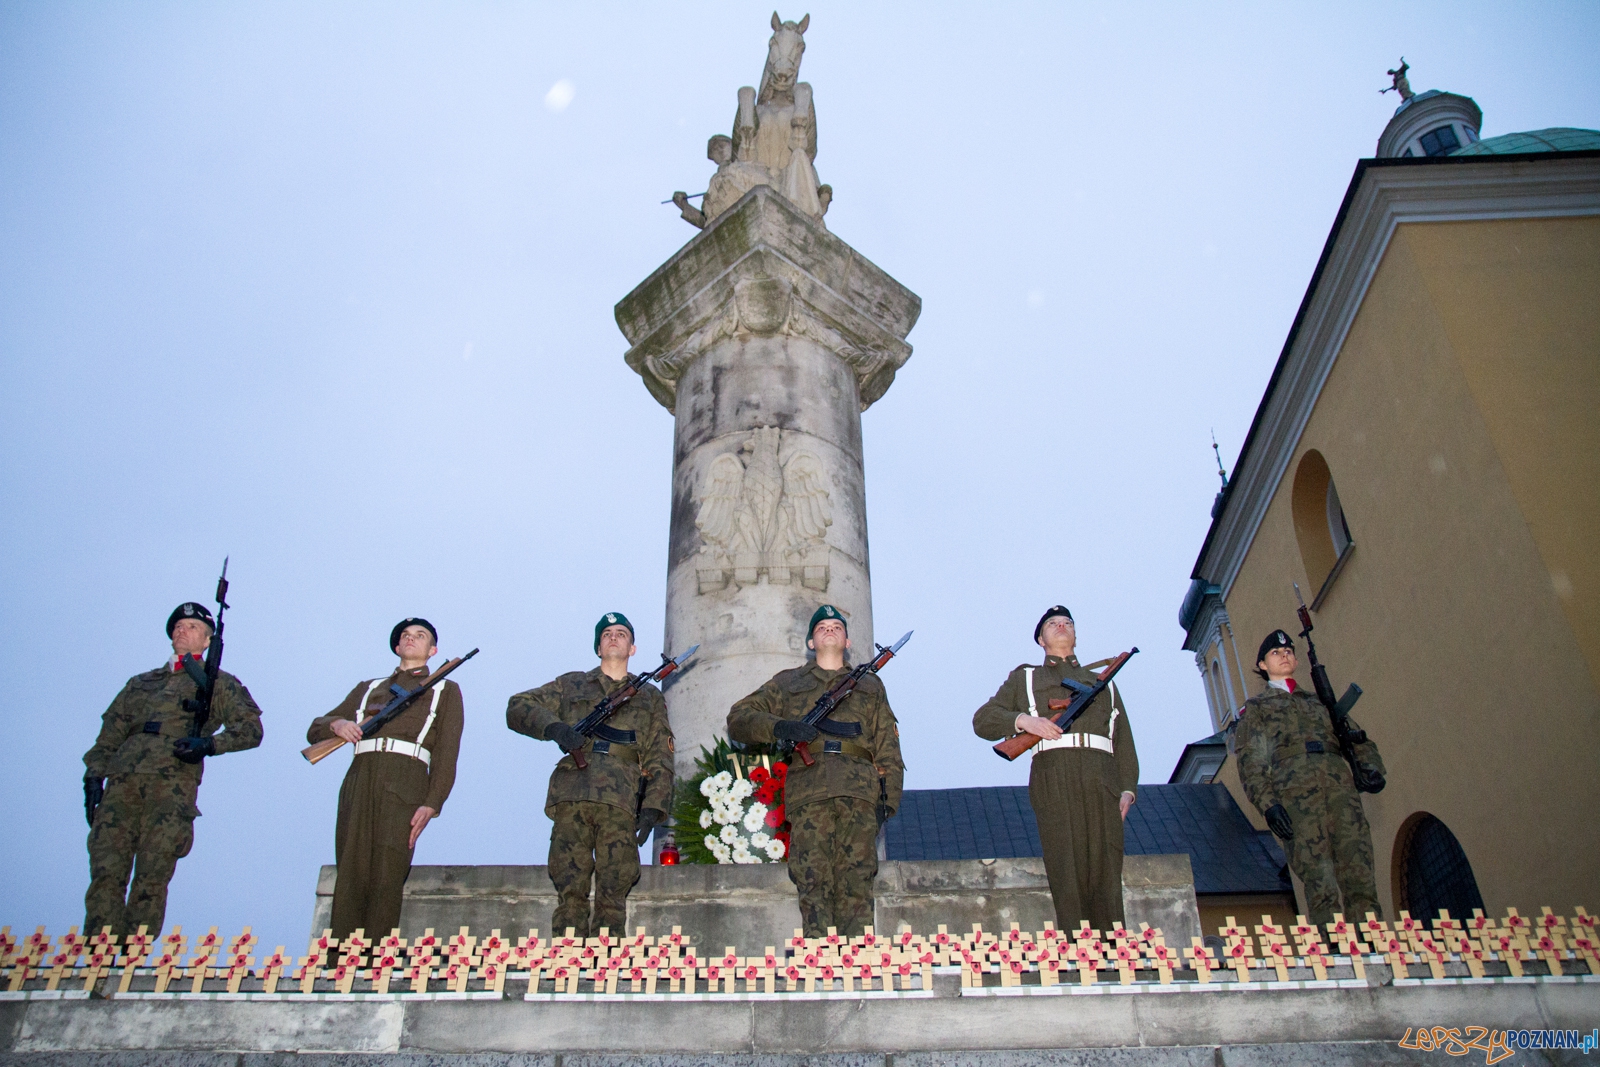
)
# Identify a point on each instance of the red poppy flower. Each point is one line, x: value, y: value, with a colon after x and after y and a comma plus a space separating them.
x: 780, y: 771
x: 775, y: 817
x: 759, y: 775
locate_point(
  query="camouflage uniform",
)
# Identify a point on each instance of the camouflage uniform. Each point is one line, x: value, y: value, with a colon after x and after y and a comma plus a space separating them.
x: 145, y: 822
x: 380, y: 794
x: 594, y: 810
x: 1075, y: 792
x: 833, y: 856
x: 1288, y: 755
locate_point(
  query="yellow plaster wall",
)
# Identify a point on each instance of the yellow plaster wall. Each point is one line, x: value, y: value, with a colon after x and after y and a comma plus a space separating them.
x: 1478, y: 678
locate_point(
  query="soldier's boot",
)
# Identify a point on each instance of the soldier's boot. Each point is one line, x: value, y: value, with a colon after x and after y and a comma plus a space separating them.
x: 616, y: 869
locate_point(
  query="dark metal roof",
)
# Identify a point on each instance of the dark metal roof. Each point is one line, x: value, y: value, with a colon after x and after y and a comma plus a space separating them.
x: 1227, y: 853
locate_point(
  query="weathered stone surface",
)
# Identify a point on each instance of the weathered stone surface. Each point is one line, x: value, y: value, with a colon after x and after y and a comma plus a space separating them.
x: 766, y: 336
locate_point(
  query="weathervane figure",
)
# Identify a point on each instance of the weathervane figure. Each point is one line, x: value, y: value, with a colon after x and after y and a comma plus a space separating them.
x: 1401, y: 84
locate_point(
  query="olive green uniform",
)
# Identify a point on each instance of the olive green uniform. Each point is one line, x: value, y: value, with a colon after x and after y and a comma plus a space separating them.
x: 1075, y: 792
x: 833, y: 847
x: 145, y: 822
x: 382, y: 791
x: 1288, y: 755
x: 594, y: 811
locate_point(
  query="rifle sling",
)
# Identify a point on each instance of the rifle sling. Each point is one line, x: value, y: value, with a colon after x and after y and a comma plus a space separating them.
x: 839, y: 729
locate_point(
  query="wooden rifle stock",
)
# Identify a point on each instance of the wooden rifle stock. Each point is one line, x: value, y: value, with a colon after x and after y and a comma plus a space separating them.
x: 323, y: 749
x: 1012, y: 747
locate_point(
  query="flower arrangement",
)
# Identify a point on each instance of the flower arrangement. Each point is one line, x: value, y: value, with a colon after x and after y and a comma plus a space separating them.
x: 732, y: 811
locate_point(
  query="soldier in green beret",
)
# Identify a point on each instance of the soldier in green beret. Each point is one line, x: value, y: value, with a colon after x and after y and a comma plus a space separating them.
x: 397, y: 783
x: 836, y: 806
x: 603, y: 814
x: 1293, y: 771
x: 142, y: 822
x: 1081, y: 784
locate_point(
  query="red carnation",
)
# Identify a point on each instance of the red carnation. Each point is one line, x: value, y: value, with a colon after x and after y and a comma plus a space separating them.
x: 759, y: 775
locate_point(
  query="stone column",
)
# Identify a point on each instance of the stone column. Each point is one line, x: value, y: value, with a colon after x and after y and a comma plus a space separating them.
x: 766, y: 336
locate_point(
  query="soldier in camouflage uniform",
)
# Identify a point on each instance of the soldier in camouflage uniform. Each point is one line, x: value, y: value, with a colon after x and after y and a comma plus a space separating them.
x: 142, y: 822
x: 1292, y: 771
x: 397, y: 783
x: 1081, y: 784
x: 601, y: 815
x: 835, y: 806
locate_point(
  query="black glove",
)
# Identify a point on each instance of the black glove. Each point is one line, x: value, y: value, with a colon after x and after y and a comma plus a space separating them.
x: 1368, y: 780
x: 564, y: 735
x: 94, y: 791
x: 1278, y: 822
x: 648, y: 819
x: 793, y: 730
x: 194, y: 749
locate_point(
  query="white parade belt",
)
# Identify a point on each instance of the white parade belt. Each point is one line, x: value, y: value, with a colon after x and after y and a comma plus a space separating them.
x: 1072, y: 741
x: 394, y: 744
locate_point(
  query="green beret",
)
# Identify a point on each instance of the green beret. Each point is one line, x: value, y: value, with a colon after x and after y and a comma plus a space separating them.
x: 611, y: 618
x: 827, y: 611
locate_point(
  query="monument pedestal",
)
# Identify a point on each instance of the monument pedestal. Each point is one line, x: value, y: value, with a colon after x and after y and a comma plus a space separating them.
x: 766, y: 336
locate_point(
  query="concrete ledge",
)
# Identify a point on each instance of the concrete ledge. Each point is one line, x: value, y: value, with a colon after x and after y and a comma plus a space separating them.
x: 1141, y: 1029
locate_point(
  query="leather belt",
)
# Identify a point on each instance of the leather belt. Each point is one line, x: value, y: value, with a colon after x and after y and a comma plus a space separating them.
x: 1095, y: 741
x: 394, y: 744
x: 845, y: 748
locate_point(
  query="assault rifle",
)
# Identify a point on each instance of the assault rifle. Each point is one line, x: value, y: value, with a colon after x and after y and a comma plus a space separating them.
x: 1085, y: 694
x: 1366, y: 780
x: 594, y: 723
x: 402, y: 697
x: 205, y: 678
x: 827, y: 702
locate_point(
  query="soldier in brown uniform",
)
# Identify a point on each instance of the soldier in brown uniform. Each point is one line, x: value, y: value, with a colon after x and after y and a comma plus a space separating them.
x: 1294, y: 773
x: 1081, y: 784
x: 397, y: 783
x: 602, y: 814
x: 835, y: 806
x: 143, y: 822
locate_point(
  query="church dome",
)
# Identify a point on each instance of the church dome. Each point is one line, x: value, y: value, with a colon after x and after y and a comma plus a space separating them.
x: 1433, y: 123
x: 1555, y: 139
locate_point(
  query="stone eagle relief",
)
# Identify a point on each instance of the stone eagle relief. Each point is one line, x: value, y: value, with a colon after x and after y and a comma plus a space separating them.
x: 758, y: 516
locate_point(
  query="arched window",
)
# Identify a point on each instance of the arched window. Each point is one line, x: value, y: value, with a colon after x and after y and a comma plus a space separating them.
x: 1431, y: 871
x: 1320, y: 525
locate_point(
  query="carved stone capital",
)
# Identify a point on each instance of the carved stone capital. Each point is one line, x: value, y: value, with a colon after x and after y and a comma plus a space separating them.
x: 765, y: 268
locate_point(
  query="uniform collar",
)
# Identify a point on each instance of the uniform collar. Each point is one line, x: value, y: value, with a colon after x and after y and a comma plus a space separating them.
x: 1058, y: 661
x: 607, y: 682
x: 1287, y: 685
x: 818, y: 670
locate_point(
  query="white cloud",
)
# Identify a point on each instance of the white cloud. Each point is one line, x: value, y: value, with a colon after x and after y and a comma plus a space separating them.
x: 560, y: 95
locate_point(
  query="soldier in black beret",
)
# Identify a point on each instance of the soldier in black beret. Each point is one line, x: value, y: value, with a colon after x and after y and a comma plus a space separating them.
x: 142, y: 777
x: 1081, y: 784
x: 398, y: 781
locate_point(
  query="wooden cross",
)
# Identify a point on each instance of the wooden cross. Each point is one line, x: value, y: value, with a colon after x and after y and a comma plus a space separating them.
x: 1164, y: 957
x: 102, y: 957
x: 68, y: 948
x: 1201, y: 958
x: 25, y: 962
x: 272, y: 969
x: 1275, y: 947
x: 135, y: 950
x: 1393, y: 950
x: 793, y: 975
x: 1086, y: 954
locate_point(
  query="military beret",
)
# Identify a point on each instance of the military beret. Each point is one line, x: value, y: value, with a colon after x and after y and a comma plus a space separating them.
x: 827, y: 611
x: 399, y: 628
x: 1046, y: 617
x: 611, y: 618
x: 1276, y: 639
x: 189, y: 610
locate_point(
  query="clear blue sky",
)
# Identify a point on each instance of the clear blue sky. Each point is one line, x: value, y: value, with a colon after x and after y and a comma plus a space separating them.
x: 328, y: 287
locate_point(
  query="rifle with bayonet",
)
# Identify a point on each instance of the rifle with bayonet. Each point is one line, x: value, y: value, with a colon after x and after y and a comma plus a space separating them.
x: 594, y: 723
x: 1367, y: 780
x: 402, y: 698
x: 827, y: 702
x: 199, y: 744
x: 1084, y: 695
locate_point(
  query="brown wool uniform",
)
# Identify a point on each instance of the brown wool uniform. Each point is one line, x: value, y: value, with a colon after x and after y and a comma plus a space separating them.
x: 833, y: 856
x: 593, y: 811
x: 1288, y: 755
x: 145, y: 823
x: 382, y: 791
x: 1075, y: 792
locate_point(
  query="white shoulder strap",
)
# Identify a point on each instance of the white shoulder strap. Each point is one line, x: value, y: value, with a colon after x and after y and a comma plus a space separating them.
x: 433, y: 711
x: 361, y: 708
x: 1027, y: 683
x: 1111, y: 730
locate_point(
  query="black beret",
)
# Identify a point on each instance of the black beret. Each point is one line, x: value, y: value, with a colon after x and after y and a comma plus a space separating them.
x: 189, y: 610
x: 394, y: 634
x: 1046, y: 617
x: 1276, y: 639
x: 610, y: 618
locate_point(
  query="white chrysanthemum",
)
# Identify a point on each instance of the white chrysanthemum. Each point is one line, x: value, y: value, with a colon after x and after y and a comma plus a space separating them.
x: 723, y: 814
x: 722, y: 779
x: 755, y: 818
x: 759, y: 839
x: 712, y: 844
x: 730, y: 834
x: 707, y: 787
x: 741, y: 789
x: 705, y: 819
x: 774, y: 848
x: 744, y: 855
x: 722, y: 853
